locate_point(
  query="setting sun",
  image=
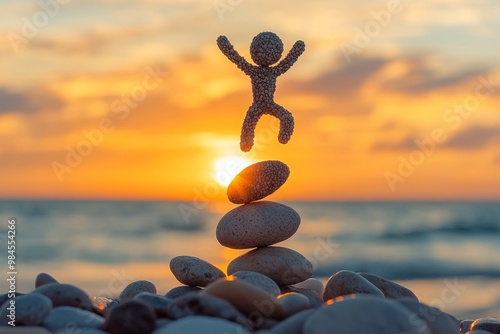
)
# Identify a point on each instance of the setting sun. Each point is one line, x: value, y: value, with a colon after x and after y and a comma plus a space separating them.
x: 226, y: 168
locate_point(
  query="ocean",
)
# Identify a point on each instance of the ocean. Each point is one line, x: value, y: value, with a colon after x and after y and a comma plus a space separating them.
x: 448, y: 253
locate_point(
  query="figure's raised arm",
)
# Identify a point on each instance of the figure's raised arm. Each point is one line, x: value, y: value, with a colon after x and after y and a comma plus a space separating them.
x: 229, y: 51
x: 292, y: 56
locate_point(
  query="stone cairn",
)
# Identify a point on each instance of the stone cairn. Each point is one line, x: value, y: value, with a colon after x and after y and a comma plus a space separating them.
x: 269, y: 289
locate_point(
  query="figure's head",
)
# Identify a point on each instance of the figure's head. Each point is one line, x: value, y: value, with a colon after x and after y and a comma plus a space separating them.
x: 266, y: 48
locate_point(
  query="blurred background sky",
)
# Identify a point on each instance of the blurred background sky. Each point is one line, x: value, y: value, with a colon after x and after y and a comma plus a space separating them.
x: 133, y: 99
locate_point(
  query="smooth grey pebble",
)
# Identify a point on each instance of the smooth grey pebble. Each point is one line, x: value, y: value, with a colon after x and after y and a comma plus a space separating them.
x: 135, y: 288
x: 65, y: 295
x: 67, y: 317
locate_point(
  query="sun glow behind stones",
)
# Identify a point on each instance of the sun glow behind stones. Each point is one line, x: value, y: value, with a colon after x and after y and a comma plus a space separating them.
x: 227, y: 167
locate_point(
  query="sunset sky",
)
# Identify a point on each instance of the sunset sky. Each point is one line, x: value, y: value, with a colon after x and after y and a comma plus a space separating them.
x: 133, y: 99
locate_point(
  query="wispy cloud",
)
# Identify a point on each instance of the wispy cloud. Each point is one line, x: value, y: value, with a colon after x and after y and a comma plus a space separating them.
x: 33, y: 100
x: 475, y: 137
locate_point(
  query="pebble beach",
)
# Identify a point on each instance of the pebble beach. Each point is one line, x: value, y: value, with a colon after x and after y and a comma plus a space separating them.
x: 267, y: 289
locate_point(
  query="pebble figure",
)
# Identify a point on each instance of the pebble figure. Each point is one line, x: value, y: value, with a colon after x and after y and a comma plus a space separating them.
x: 266, y: 49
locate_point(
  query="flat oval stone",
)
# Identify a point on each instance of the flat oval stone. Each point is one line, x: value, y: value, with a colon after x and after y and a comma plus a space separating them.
x: 346, y: 282
x: 131, y: 317
x: 180, y: 291
x: 257, y: 181
x: 249, y: 299
x: 258, y: 280
x: 65, y: 295
x: 201, y: 325
x: 257, y: 224
x: 67, y: 317
x: 283, y: 265
x: 389, y: 288
x: 30, y: 310
x: 135, y: 288
x: 364, y: 314
x: 44, y: 278
x: 193, y: 271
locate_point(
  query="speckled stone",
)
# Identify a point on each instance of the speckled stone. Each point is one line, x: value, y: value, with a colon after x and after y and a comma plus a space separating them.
x: 201, y: 324
x: 346, y: 282
x: 248, y: 299
x: 437, y: 321
x: 293, y: 302
x: 202, y: 304
x: 258, y: 280
x: 131, y: 317
x: 257, y: 224
x: 180, y: 291
x: 257, y: 181
x: 65, y: 295
x: 389, y: 288
x: 266, y: 49
x: 193, y: 271
x: 44, y: 278
x: 486, y: 324
x: 30, y: 310
x: 67, y: 317
x: 364, y: 314
x: 283, y: 265
x: 135, y: 288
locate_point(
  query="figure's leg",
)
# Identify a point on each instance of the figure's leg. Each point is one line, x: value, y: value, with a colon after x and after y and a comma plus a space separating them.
x: 248, y: 128
x: 286, y: 122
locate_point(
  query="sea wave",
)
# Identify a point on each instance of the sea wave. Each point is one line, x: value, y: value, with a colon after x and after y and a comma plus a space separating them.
x: 410, y: 269
x: 458, y: 227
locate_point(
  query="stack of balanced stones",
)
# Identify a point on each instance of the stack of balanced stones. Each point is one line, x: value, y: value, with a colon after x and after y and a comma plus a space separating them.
x: 255, y: 224
x: 260, y: 224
